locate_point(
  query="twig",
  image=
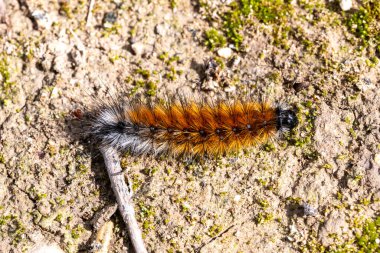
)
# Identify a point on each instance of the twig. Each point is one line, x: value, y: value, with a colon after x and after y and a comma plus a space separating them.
x: 103, y: 238
x: 89, y: 13
x: 123, y: 196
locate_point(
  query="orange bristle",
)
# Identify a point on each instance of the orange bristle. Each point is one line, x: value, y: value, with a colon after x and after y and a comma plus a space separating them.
x: 190, y: 128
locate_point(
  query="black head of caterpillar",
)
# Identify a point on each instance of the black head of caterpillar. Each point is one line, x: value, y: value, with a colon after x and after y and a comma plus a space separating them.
x: 191, y: 128
x: 286, y: 119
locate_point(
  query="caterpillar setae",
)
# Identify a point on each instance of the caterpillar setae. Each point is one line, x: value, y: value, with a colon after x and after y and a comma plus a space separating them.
x: 193, y: 128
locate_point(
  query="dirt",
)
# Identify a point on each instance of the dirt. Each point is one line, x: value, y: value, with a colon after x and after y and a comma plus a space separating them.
x: 53, y: 183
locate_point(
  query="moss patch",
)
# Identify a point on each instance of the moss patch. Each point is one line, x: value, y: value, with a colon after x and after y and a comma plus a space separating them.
x: 364, y: 23
x: 240, y: 14
x: 7, y: 87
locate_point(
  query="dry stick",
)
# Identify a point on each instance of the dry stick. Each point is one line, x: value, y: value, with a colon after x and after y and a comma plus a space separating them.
x: 123, y: 196
x: 89, y: 13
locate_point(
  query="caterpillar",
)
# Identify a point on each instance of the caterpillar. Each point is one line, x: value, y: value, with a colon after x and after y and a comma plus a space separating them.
x: 182, y: 127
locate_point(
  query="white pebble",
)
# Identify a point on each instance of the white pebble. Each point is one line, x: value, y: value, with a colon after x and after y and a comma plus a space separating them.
x: 186, y: 205
x: 225, y: 52
x: 54, y: 93
x: 161, y: 29
x: 377, y: 159
x: 345, y: 4
x: 42, y: 18
x: 230, y: 89
x: 138, y: 48
x: 237, y: 198
x: 44, y: 248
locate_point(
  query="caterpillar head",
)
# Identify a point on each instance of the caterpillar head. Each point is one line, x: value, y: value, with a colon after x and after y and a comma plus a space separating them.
x: 286, y: 119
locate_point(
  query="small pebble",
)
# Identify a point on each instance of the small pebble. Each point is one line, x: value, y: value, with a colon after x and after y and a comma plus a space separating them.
x: 237, y: 198
x: 236, y: 61
x: 225, y: 52
x: 345, y: 4
x: 230, y: 89
x: 47, y: 248
x: 377, y: 159
x: 186, y: 205
x: 42, y: 19
x: 59, y: 64
x: 54, y: 93
x: 138, y: 48
x: 77, y: 57
x: 161, y: 29
x: 309, y: 210
x: 210, y: 85
x: 110, y: 17
x: 365, y: 84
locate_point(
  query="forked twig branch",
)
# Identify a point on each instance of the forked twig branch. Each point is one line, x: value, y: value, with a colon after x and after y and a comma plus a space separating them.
x: 123, y: 195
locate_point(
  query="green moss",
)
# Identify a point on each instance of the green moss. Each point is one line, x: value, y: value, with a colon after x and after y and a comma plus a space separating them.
x: 82, y: 169
x: 364, y: 241
x: 14, y: 227
x: 114, y: 29
x: 274, y: 76
x: 147, y: 225
x: 136, y: 182
x: 168, y: 60
x: 372, y: 62
x: 52, y: 150
x: 171, y: 74
x: 174, y: 58
x: 143, y: 72
x: 367, y: 239
x: 365, y: 201
x: 262, y: 218
x: 307, y: 113
x: 239, y: 16
x: 363, y: 23
x: 41, y: 196
x: 214, y: 39
x: 2, y: 159
x: 281, y: 37
x: 4, y: 219
x: 263, y: 203
x: 7, y: 87
x: 173, y: 4
x: 163, y: 56
x: 65, y: 9
x: 263, y: 182
x: 151, y: 88
x: 267, y: 11
x: 146, y: 214
x: 214, y: 230
x: 114, y: 58
x: 77, y: 231
x: 59, y: 217
x: 150, y: 171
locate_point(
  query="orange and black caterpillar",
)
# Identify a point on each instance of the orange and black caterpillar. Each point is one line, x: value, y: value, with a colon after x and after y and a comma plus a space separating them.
x: 190, y: 128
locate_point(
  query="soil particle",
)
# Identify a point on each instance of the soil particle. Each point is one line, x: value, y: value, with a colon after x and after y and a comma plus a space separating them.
x: 331, y: 134
x: 335, y: 225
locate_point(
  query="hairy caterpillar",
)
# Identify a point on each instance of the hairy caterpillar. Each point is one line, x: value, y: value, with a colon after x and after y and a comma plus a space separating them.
x: 192, y: 128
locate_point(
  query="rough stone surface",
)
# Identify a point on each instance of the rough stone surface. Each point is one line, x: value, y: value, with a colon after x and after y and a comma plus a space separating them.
x: 53, y: 185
